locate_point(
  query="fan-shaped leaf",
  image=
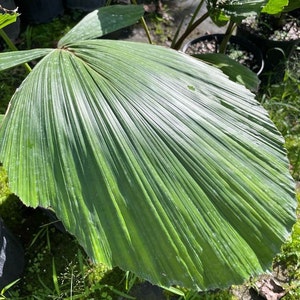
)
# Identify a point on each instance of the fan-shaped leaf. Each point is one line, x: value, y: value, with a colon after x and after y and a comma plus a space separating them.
x: 155, y: 161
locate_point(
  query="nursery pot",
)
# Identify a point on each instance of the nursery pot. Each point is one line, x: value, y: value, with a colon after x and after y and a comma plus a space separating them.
x: 84, y: 5
x: 39, y: 11
x: 11, y: 257
x: 275, y: 53
x: 13, y: 29
x: 242, y: 44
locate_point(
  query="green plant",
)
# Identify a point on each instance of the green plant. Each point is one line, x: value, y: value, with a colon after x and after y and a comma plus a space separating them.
x: 47, y: 35
x: 155, y: 161
x: 227, y: 12
x: 9, y: 82
x: 221, y: 13
x: 276, y: 33
x: 279, y: 9
x: 231, y: 13
x: 7, y: 16
x: 35, y: 36
x: 185, y: 294
x: 7, y: 288
x: 288, y: 261
x: 56, y: 271
x: 282, y: 101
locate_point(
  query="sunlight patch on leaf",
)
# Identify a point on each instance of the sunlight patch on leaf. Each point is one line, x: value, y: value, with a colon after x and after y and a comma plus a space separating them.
x: 155, y: 161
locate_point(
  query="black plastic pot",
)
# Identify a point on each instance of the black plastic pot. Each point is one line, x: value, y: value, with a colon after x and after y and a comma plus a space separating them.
x: 11, y: 257
x: 84, y: 5
x: 39, y: 11
x: 241, y: 42
x: 12, y: 30
x: 275, y: 53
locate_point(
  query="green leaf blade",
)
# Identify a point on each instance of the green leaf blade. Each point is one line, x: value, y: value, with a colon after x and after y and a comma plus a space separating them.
x: 275, y: 6
x: 103, y: 21
x: 7, y: 17
x: 158, y: 164
x: 238, y: 10
x: 15, y: 58
x: 234, y: 70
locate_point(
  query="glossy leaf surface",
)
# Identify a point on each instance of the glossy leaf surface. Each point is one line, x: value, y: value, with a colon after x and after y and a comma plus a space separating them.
x: 155, y: 161
x: 234, y: 70
x: 12, y: 59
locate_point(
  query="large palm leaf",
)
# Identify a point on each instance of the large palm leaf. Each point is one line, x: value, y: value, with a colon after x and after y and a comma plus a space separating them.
x: 155, y: 161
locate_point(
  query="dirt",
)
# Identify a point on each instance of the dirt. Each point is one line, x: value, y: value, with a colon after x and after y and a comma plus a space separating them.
x: 286, y: 28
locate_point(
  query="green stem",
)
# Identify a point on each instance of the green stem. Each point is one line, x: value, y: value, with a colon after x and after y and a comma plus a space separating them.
x: 12, y: 47
x: 177, y: 33
x: 227, y: 35
x: 144, y: 24
x: 174, y: 41
x: 188, y: 30
x: 146, y: 30
x: 196, y: 13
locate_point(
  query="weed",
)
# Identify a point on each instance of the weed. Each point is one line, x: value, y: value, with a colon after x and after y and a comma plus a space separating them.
x: 9, y: 81
x: 6, y: 288
x: 288, y: 261
x: 47, y: 35
x: 57, y: 268
x: 282, y: 101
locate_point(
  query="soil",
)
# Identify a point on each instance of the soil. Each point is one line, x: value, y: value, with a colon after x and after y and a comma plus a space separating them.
x: 285, y: 28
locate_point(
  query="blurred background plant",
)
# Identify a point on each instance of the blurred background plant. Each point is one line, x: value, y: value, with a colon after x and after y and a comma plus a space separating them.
x: 282, y: 100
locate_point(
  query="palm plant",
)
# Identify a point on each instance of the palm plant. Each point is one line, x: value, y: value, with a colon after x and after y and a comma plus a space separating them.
x: 154, y: 160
